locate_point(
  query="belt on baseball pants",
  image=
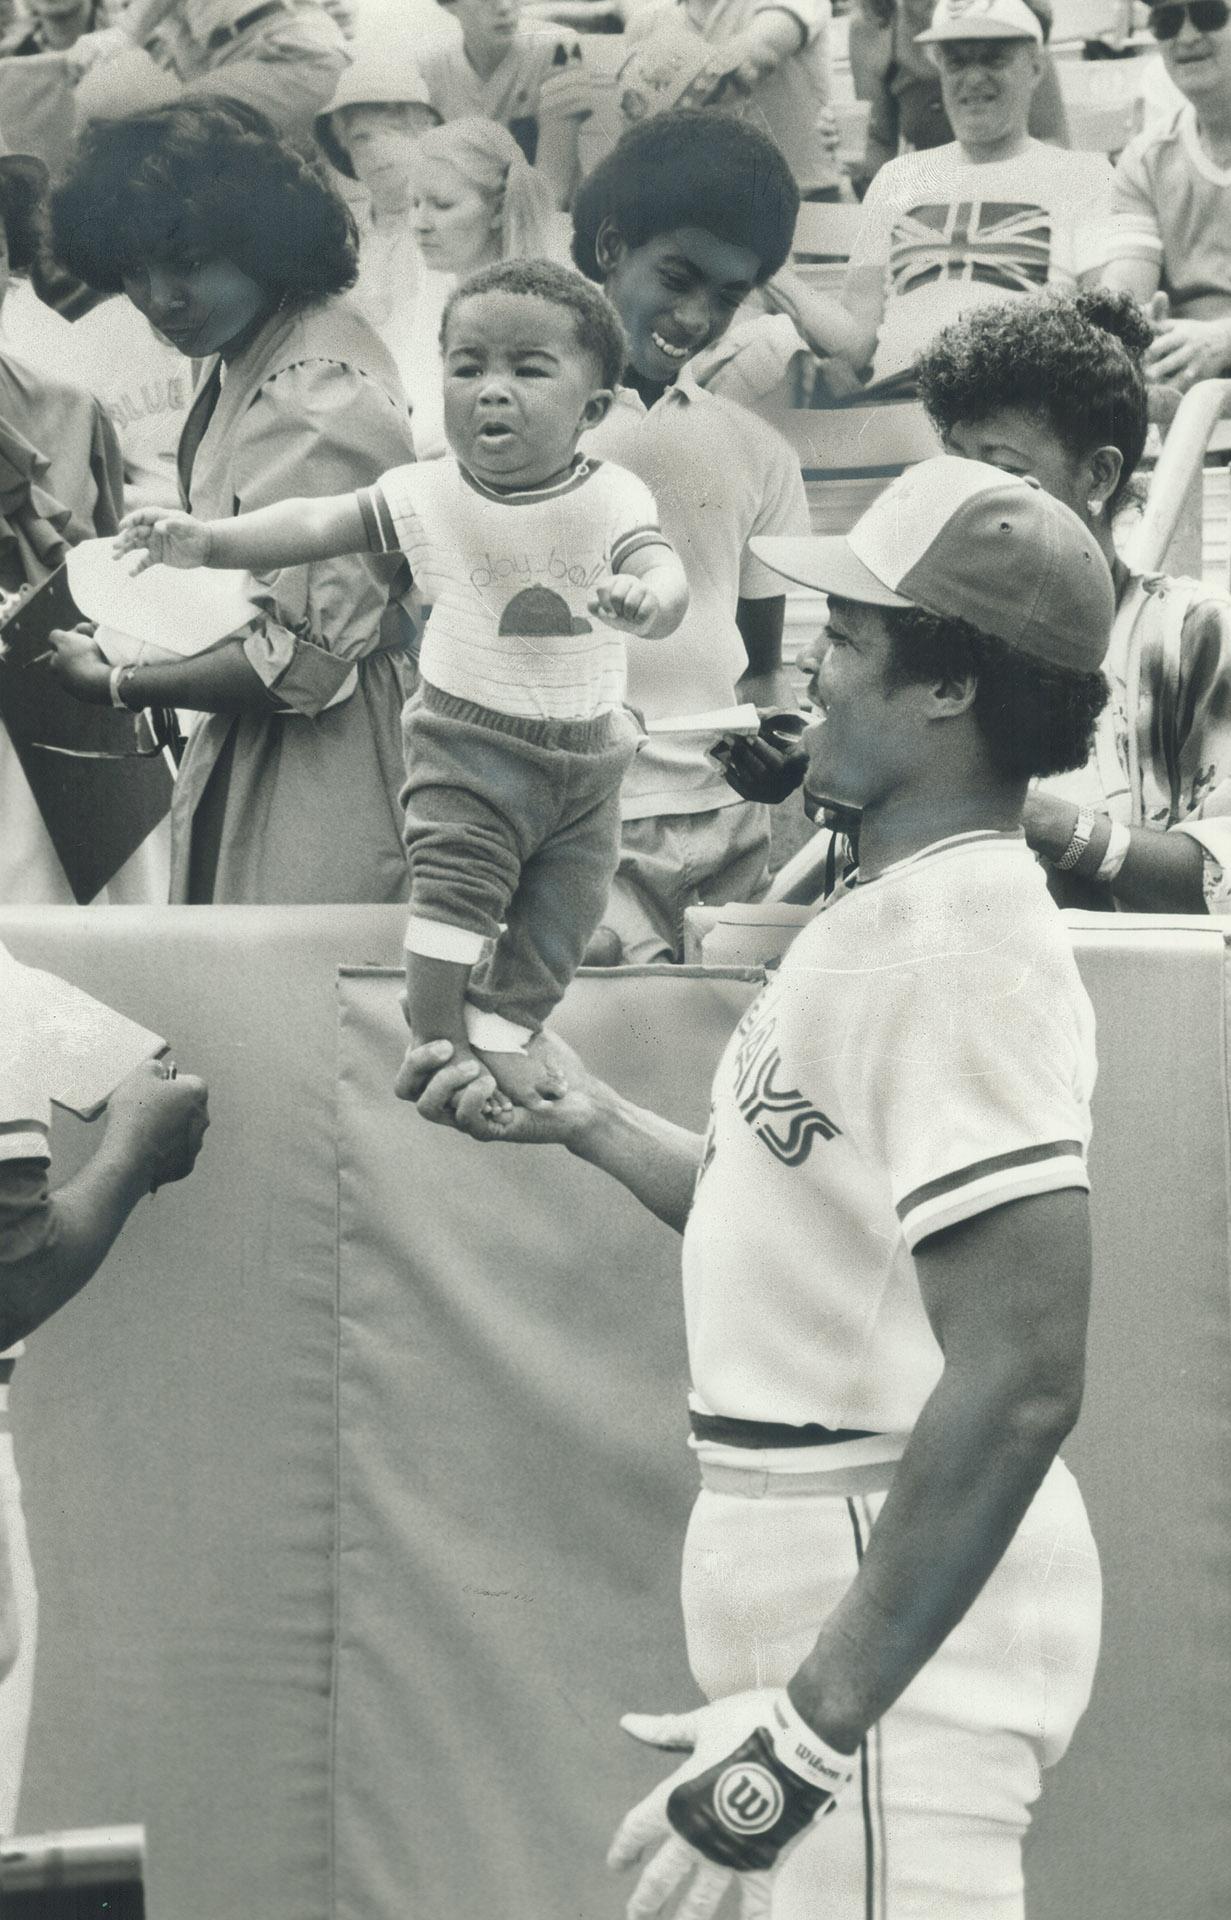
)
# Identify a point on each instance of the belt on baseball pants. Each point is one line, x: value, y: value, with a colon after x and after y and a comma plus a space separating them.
x: 752, y: 1474
x: 223, y: 36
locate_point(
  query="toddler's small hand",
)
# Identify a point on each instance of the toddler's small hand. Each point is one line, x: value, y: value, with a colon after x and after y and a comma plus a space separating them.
x: 161, y: 536
x: 625, y: 601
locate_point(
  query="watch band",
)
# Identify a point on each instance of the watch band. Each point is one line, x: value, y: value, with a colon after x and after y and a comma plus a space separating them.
x: 1117, y: 852
x: 1083, y: 829
x: 119, y: 679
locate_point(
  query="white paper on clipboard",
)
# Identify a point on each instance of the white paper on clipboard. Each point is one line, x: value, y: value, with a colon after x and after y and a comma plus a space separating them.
x: 164, y: 613
x: 83, y: 1048
x: 720, y: 723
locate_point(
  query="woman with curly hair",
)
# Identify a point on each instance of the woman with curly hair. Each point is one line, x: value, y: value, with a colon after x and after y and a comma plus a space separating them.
x: 235, y: 248
x: 1054, y: 388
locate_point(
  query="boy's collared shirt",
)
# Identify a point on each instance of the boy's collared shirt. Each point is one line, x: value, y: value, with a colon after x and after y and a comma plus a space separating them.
x: 518, y: 89
x: 720, y: 475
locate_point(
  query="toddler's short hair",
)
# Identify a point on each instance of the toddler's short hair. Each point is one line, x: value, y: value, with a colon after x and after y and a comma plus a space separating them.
x: 596, y: 324
x: 690, y: 168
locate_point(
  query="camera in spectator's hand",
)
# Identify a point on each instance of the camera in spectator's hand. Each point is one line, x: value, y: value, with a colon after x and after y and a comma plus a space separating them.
x: 769, y: 766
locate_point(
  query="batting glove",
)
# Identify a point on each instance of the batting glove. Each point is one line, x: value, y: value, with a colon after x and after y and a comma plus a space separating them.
x: 756, y: 1776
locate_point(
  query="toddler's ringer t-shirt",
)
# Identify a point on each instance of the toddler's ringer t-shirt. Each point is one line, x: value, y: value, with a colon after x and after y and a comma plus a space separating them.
x: 509, y: 578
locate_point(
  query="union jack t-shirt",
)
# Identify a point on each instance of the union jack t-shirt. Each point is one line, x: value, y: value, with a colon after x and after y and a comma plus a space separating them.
x: 945, y: 235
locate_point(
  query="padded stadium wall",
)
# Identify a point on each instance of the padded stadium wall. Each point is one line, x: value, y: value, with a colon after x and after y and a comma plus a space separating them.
x: 357, y: 1478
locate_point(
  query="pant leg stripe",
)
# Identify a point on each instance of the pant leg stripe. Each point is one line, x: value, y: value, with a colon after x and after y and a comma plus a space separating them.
x: 865, y: 1780
x: 877, y: 1741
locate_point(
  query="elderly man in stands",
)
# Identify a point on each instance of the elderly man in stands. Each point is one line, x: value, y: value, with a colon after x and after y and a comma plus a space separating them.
x: 1171, y: 234
x: 906, y: 106
x: 994, y: 215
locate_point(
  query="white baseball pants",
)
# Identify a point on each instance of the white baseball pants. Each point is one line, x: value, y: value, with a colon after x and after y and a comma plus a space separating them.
x: 932, y: 1825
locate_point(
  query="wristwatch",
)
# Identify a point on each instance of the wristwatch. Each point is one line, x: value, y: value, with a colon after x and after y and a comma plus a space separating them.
x: 1083, y: 830
x: 119, y: 680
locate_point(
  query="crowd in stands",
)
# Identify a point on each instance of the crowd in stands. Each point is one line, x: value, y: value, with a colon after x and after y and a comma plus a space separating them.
x: 232, y: 233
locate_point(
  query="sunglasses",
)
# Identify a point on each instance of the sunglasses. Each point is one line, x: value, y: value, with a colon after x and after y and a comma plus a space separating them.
x: 1207, y: 16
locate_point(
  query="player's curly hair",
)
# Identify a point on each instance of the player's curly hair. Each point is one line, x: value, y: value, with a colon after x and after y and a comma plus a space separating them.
x: 1035, y: 719
x: 1073, y: 363
x: 690, y: 169
x: 204, y: 178
x: 596, y: 323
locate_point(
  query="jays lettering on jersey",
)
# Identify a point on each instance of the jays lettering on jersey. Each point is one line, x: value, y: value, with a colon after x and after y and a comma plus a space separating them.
x: 925, y: 1053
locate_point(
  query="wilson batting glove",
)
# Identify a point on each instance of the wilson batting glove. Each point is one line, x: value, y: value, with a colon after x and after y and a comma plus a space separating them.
x: 756, y: 1776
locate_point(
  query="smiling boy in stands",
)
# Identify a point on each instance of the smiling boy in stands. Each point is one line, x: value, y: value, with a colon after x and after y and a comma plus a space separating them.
x: 517, y: 741
x: 688, y: 214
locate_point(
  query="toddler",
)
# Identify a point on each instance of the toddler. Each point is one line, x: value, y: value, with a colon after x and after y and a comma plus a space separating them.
x: 517, y: 739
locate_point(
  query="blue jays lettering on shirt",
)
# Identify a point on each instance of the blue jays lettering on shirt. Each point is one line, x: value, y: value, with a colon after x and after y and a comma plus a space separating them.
x: 782, y: 1118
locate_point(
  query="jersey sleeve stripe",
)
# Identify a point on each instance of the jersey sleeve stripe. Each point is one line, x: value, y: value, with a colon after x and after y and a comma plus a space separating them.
x: 377, y: 521
x: 632, y: 542
x: 979, y: 1169
x: 991, y: 1183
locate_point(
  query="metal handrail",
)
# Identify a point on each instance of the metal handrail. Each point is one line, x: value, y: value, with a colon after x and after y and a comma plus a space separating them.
x: 1173, y: 488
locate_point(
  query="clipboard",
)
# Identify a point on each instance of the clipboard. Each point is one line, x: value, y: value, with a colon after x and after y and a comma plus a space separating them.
x: 84, y: 1047
x: 97, y: 774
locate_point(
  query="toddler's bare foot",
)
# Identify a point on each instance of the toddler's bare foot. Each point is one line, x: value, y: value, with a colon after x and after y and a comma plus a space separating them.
x: 525, y: 1079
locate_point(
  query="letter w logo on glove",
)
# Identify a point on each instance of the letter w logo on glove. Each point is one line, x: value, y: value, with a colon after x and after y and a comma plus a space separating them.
x: 756, y: 1776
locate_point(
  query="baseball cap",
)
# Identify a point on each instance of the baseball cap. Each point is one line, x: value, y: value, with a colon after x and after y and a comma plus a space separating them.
x: 964, y: 539
x: 983, y: 20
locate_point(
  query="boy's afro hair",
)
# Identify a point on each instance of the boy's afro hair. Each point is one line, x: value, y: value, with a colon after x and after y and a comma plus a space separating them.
x: 690, y: 169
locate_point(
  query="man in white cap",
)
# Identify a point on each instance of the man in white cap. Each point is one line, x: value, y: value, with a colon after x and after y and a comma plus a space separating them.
x: 890, y: 1589
x: 994, y: 215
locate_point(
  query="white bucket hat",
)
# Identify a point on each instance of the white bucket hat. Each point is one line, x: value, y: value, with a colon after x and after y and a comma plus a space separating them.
x: 379, y: 75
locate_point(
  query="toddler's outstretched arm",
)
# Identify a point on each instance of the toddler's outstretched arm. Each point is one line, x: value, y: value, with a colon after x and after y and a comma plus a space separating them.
x: 288, y: 534
x: 649, y: 597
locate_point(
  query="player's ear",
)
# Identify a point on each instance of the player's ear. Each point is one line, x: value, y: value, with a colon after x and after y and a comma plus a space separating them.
x: 597, y: 407
x: 953, y: 695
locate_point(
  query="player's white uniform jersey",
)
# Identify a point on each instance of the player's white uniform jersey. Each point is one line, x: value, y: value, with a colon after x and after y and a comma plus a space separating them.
x: 925, y: 1052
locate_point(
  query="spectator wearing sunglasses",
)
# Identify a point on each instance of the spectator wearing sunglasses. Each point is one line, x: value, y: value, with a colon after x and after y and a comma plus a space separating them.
x: 1171, y: 242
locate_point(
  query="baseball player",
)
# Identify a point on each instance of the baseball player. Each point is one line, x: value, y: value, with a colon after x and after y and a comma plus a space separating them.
x: 891, y: 1593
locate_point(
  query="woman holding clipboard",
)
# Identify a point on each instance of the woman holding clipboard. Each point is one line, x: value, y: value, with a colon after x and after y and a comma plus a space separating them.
x: 235, y: 249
